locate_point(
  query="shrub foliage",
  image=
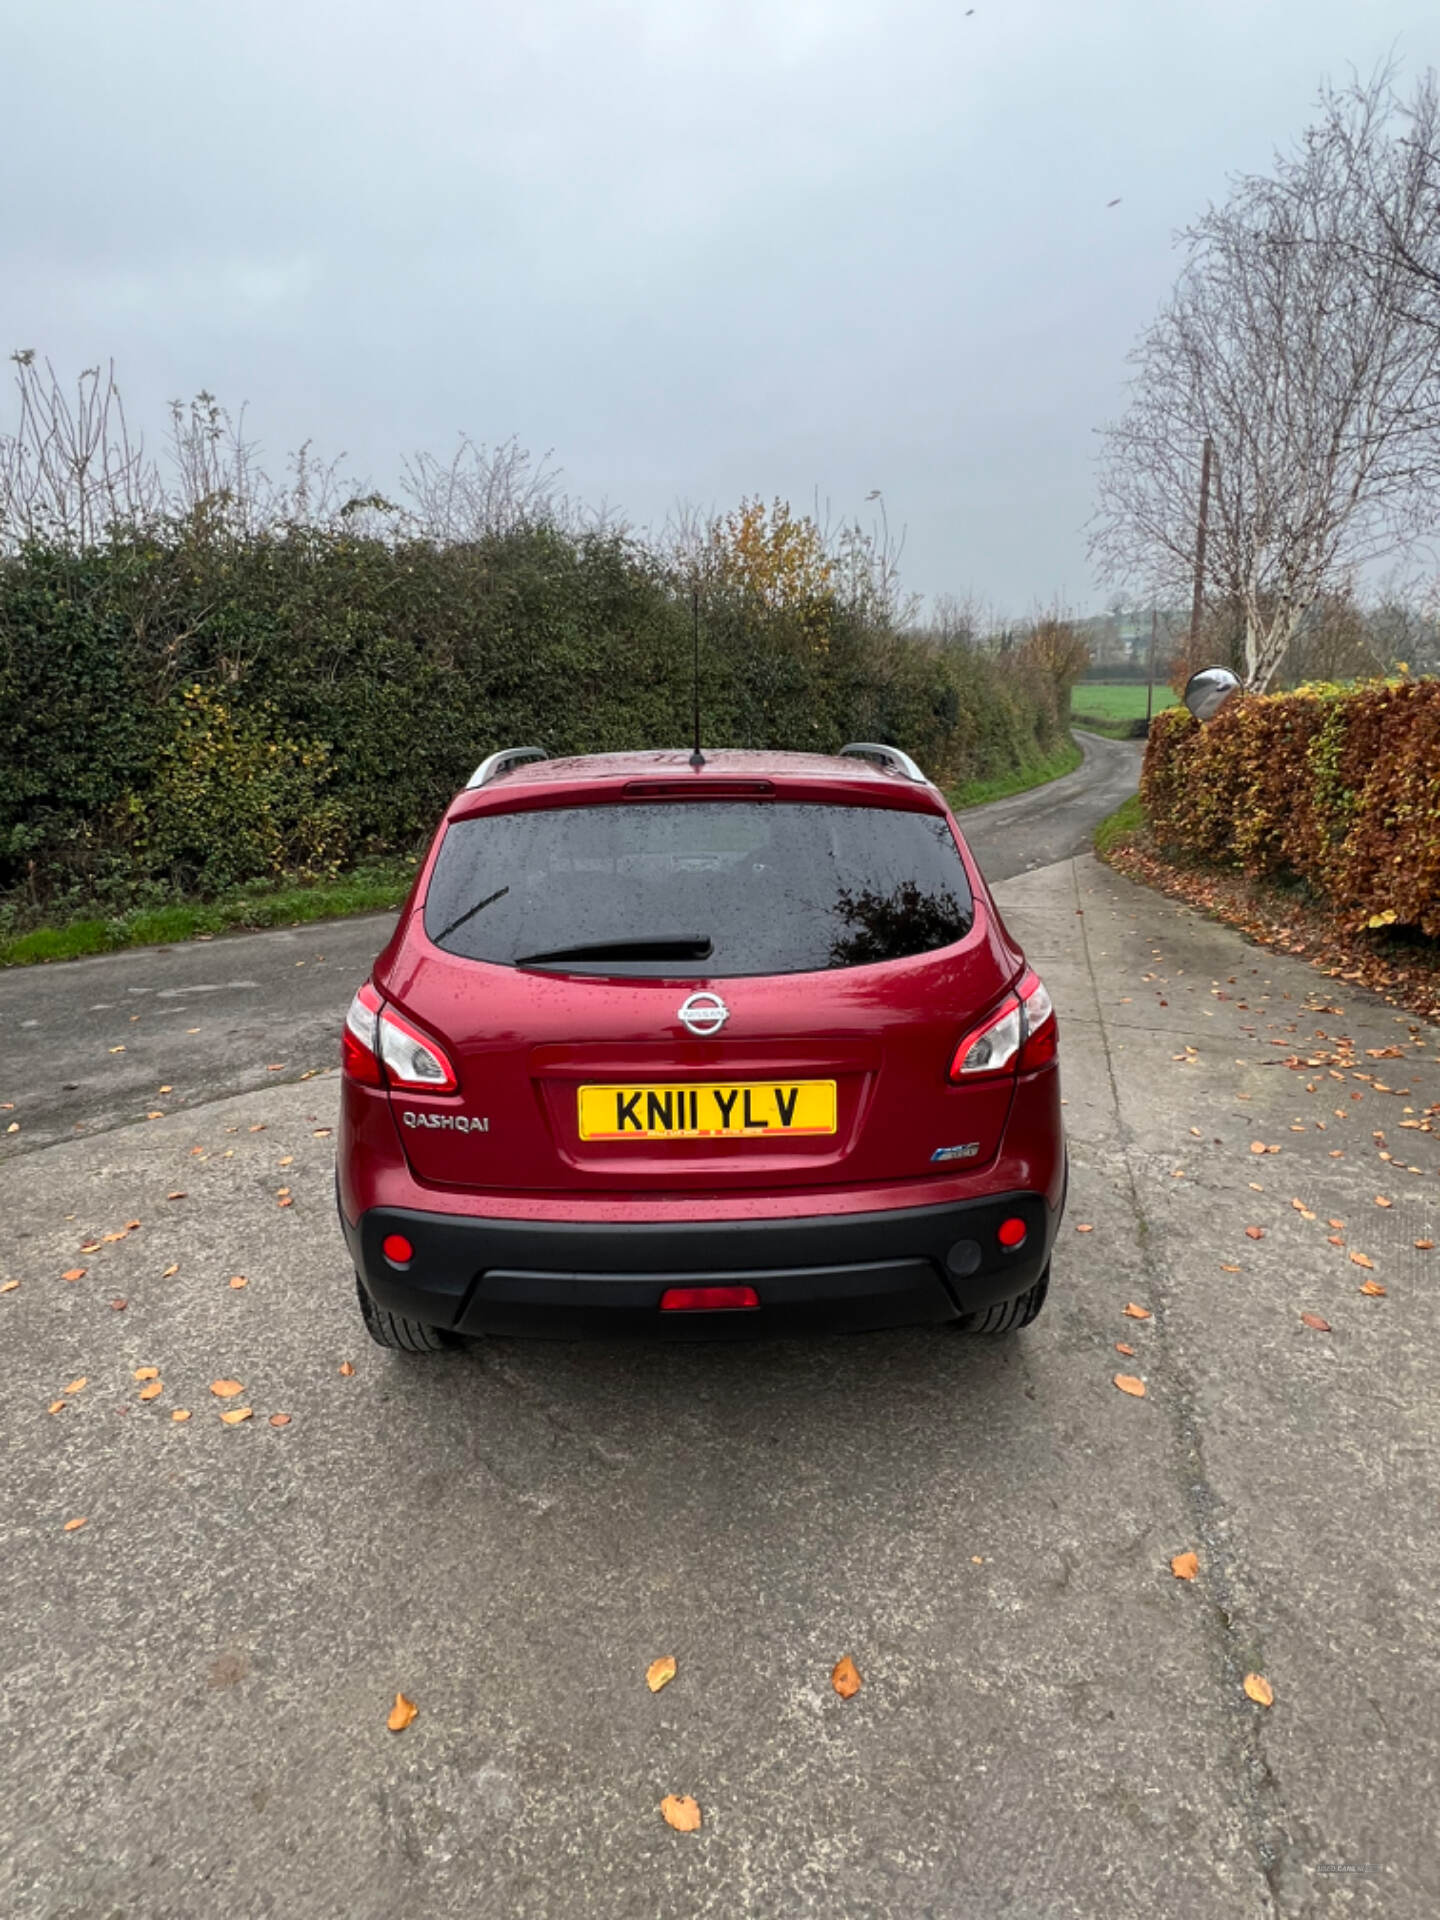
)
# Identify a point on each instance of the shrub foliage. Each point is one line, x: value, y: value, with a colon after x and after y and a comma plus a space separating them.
x: 182, y: 709
x: 1337, y: 788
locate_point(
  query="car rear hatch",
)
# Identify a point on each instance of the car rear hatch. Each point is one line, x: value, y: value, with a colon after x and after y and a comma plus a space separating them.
x: 699, y: 997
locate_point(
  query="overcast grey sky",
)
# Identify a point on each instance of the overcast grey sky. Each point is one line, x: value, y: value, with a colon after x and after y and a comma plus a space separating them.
x: 697, y: 248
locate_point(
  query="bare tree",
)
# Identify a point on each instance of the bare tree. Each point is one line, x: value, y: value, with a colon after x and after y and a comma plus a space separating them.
x: 482, y: 491
x: 71, y: 469
x: 1292, y: 343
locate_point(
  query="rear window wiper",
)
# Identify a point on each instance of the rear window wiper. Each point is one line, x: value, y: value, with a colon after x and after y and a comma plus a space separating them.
x: 673, y: 947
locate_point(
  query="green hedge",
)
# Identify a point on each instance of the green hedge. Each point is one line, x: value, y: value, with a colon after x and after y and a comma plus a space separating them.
x: 1338, y: 788
x: 181, y: 714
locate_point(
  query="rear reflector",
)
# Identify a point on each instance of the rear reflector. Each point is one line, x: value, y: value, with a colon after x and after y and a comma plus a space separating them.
x: 1012, y: 1233
x: 707, y: 1299
x: 397, y: 1248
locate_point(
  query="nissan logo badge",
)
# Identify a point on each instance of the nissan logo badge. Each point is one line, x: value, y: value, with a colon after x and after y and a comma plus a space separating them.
x: 703, y: 1013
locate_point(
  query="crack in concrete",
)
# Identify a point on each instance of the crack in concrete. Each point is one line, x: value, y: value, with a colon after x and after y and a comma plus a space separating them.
x: 1261, y: 1798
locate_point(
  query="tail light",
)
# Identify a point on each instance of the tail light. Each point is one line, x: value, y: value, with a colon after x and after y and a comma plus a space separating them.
x: 380, y: 1047
x: 1021, y: 1034
x: 1042, y: 1029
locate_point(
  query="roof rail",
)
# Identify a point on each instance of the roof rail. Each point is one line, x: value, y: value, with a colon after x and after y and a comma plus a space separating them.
x: 891, y: 758
x: 504, y: 762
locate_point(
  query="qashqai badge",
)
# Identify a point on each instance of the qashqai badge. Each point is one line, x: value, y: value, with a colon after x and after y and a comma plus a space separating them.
x: 703, y: 1014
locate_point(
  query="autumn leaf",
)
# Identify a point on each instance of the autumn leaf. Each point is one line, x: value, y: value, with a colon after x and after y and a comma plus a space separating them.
x: 1127, y: 1383
x: 238, y: 1280
x: 1259, y: 1689
x: 321, y: 1133
x: 77, y: 1385
x: 75, y: 1273
x: 176, y: 1196
x: 1381, y: 1201
x: 71, y: 1526
x: 232, y: 1416
x: 9, y: 1286
x: 285, y: 1201
x: 845, y: 1678
x: 147, y: 1373
x: 280, y: 1419
x: 1314, y: 1321
x: 132, y: 1226
x: 680, y: 1812
x: 171, y: 1270
x: 118, y: 1306
x: 1373, y: 1289
x: 180, y: 1413
x: 1084, y: 1226
x: 1185, y: 1566
x: 1120, y: 1347
x: 1421, y: 1246
x: 152, y: 1392
x: 57, y: 1406
x: 401, y: 1714
x: 1137, y: 1313
x: 660, y: 1673
x: 1361, y: 1259
x: 347, y: 1368
x: 1257, y: 1146
x: 1254, y: 1233
x: 225, y: 1389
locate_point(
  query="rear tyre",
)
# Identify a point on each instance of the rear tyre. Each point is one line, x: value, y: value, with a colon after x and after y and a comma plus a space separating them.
x: 1007, y: 1315
x: 393, y: 1330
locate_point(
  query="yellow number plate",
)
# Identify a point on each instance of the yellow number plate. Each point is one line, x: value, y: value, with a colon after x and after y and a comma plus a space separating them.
x: 751, y: 1110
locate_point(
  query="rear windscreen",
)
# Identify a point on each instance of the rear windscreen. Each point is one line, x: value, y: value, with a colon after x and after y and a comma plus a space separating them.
x: 708, y: 888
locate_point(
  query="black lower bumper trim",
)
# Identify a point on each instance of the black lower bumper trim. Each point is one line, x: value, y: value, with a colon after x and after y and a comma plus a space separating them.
x: 564, y: 1279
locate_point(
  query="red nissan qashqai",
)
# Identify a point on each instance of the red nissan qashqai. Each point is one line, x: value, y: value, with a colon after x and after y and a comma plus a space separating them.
x: 699, y: 1048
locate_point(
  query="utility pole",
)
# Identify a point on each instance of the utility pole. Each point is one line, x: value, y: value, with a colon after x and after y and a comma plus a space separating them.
x: 1202, y: 531
x: 1150, y: 684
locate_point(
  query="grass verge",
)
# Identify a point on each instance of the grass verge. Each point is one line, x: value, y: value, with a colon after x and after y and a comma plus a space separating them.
x: 1120, y: 827
x: 975, y: 793
x: 371, y: 890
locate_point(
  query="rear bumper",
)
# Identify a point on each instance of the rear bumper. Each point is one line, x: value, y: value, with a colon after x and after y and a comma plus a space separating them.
x: 567, y: 1279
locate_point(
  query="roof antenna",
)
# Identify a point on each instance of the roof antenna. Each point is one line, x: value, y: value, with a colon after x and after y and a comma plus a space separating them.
x: 697, y: 758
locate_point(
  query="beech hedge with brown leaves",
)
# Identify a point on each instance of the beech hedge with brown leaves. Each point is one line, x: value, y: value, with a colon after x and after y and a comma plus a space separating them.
x: 1335, y: 787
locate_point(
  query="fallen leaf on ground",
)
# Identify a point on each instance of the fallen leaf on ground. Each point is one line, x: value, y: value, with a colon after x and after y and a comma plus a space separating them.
x: 238, y: 1280
x: 1313, y: 1320
x: 78, y: 1385
x: 1257, y: 1146
x: 176, y: 1196
x: 1137, y: 1313
x: 288, y: 1161
x: 75, y: 1273
x: 1083, y: 1226
x: 280, y: 1419
x: 57, y: 1406
x: 347, y: 1368
x: 1361, y: 1259
x: 1259, y: 1689
x: 321, y: 1133
x: 1254, y: 1233
x: 147, y: 1373
x: 153, y: 1391
x: 1120, y: 1347
x: 1127, y: 1383
x: 225, y: 1389
x: 180, y: 1413
x: 285, y: 1201
x: 277, y: 1066
x: 681, y: 1812
x: 118, y: 1306
x: 659, y: 1673
x: 71, y: 1525
x: 1381, y: 1201
x: 845, y: 1678
x: 401, y: 1714
x: 9, y: 1286
x: 1421, y: 1246
x: 1228, y: 1269
x: 1185, y: 1566
x: 171, y: 1270
x: 1373, y: 1289
x: 232, y: 1416
x: 132, y: 1226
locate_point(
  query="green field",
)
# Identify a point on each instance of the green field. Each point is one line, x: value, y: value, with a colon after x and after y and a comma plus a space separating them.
x: 1116, y: 699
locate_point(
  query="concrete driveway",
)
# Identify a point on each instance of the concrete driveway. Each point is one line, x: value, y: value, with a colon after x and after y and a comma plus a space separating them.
x: 1051, y: 1723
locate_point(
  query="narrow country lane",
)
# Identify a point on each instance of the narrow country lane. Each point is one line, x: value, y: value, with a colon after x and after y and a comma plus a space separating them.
x: 93, y: 1044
